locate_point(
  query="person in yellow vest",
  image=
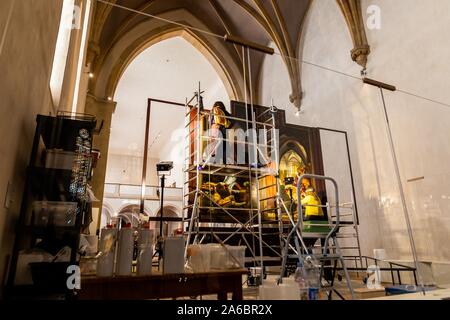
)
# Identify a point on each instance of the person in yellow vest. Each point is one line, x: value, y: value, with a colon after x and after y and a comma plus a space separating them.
x: 311, y: 202
x: 219, y: 123
x: 313, y: 212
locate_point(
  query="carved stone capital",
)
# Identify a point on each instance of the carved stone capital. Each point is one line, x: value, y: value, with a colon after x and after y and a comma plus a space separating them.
x: 296, y: 99
x: 360, y: 55
x: 351, y: 9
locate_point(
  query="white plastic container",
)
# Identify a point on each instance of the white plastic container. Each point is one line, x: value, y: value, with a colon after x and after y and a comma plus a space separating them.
x: 125, y: 248
x: 145, y: 252
x: 218, y: 257
x: 173, y: 258
x: 60, y: 214
x: 200, y: 258
x: 287, y: 291
x: 23, y: 271
x: 236, y: 257
x: 107, y: 247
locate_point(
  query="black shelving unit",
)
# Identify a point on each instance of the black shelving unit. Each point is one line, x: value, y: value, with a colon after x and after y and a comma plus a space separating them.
x: 69, y: 133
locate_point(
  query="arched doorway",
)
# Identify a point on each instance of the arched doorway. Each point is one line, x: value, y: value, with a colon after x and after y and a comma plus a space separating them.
x: 107, y: 214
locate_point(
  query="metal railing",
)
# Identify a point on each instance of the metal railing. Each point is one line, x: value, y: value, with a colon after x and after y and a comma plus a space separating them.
x: 134, y: 191
x: 393, y: 268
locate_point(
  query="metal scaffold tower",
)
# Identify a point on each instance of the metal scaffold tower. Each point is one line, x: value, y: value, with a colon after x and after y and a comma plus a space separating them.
x: 254, y: 157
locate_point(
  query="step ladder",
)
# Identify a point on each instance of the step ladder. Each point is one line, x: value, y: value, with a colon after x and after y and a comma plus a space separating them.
x: 348, y: 236
x: 329, y: 254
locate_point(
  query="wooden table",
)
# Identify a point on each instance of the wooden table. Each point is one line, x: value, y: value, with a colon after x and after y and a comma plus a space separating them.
x: 160, y: 286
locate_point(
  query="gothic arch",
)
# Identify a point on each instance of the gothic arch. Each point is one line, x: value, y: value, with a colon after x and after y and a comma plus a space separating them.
x: 125, y: 49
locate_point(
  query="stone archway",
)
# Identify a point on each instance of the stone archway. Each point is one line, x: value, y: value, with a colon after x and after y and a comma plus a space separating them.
x: 107, y: 214
x: 169, y: 211
x: 144, y: 35
x: 130, y: 213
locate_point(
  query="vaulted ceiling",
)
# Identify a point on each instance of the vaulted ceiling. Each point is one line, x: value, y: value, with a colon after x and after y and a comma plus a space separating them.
x: 260, y: 21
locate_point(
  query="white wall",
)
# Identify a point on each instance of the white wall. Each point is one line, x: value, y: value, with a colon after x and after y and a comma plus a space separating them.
x: 26, y: 56
x: 410, y: 51
x: 127, y: 169
x: 169, y: 70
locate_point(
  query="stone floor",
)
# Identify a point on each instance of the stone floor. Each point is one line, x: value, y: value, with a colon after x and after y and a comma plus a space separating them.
x: 289, y: 290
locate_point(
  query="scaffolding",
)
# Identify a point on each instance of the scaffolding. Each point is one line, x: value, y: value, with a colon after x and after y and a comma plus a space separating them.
x: 260, y: 225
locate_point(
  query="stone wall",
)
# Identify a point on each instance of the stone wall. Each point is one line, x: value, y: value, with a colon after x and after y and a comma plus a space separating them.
x: 408, y: 51
x: 29, y: 31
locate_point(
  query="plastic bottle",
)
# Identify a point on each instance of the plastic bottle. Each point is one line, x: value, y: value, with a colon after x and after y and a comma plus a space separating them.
x: 302, y: 282
x: 312, y: 276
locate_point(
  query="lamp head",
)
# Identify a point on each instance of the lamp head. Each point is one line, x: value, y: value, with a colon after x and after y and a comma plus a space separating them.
x: 164, y: 167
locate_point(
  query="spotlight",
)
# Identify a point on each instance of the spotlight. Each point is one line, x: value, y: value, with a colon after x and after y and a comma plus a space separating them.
x: 91, y: 75
x: 109, y: 99
x: 164, y: 167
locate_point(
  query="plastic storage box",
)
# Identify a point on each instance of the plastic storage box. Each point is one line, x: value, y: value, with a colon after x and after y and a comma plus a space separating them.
x: 227, y: 257
x: 236, y: 257
x: 200, y: 258
x: 218, y: 257
x: 59, y: 159
x: 60, y: 214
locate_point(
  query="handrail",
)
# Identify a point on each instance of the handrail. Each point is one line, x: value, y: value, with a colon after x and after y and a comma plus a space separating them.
x: 137, y: 185
x: 393, y: 267
x: 299, y: 205
x: 390, y: 262
x: 209, y: 114
x: 332, y: 233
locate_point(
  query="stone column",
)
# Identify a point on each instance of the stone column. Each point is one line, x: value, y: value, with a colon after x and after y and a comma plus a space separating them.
x: 351, y: 9
x: 103, y: 111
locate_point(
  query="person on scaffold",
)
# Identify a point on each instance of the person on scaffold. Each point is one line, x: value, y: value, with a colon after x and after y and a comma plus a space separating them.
x: 219, y: 123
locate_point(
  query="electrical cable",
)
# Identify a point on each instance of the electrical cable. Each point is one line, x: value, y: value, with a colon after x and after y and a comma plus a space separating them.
x: 360, y: 79
x: 319, y: 66
x: 424, y: 98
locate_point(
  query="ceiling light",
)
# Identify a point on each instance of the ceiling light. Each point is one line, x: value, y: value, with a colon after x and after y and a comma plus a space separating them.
x: 91, y: 75
x: 109, y: 99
